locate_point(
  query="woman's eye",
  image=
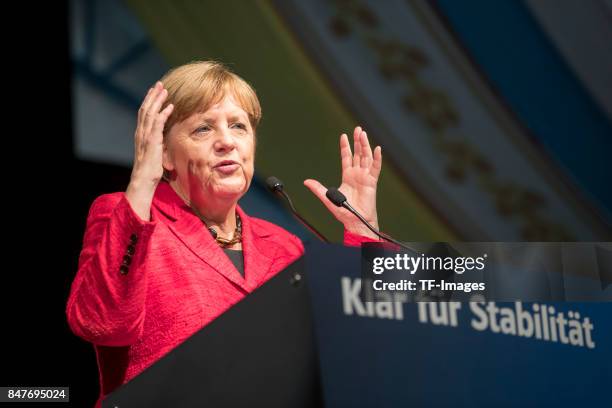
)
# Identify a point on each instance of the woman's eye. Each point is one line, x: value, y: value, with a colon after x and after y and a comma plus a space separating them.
x: 239, y: 125
x: 202, y: 129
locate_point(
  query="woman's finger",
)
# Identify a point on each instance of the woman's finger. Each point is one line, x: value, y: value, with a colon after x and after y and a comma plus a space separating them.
x: 366, y: 151
x: 357, y: 147
x: 147, y: 114
x: 377, y: 162
x: 144, y: 104
x: 160, y: 120
x: 144, y: 108
x: 154, y: 110
x: 346, y: 155
x: 139, y: 133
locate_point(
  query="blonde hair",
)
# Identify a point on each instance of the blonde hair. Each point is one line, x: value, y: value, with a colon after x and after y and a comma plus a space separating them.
x: 196, y: 86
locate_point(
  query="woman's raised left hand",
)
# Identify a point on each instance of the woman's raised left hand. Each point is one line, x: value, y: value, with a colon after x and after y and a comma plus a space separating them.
x: 360, y: 172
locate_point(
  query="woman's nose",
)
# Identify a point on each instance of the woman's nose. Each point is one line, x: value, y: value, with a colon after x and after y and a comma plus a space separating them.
x: 225, y: 141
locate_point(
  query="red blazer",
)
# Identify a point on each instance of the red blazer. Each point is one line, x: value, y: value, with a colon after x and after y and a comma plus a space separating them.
x: 142, y: 287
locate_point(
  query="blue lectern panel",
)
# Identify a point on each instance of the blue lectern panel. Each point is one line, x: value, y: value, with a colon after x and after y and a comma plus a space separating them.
x: 395, y: 354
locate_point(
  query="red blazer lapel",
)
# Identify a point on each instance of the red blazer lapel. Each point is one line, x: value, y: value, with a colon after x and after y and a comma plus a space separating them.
x: 192, y: 232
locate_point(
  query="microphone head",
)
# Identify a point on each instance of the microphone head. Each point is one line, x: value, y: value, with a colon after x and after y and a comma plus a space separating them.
x: 274, y: 184
x: 335, y: 196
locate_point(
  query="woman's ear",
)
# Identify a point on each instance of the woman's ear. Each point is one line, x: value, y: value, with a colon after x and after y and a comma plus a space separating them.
x: 167, y: 162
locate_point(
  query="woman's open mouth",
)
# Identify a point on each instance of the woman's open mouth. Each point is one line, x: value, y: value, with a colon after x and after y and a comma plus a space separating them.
x: 226, y: 166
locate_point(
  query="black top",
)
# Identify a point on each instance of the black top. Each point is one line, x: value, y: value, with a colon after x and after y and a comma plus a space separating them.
x: 235, y: 255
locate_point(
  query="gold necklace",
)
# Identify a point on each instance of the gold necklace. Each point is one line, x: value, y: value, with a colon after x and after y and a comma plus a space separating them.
x: 223, y: 242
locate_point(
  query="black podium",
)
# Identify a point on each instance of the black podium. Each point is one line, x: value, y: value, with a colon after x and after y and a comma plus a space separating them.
x: 260, y: 353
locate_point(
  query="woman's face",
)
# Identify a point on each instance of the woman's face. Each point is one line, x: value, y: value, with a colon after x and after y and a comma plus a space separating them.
x: 212, y: 153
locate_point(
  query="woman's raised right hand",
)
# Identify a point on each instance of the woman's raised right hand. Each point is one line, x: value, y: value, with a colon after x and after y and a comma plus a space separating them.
x: 147, y: 170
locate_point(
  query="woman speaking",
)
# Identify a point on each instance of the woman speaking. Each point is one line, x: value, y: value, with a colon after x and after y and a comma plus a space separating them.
x: 174, y: 251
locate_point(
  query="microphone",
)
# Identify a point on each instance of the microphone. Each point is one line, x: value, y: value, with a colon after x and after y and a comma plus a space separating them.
x: 276, y: 186
x: 335, y: 196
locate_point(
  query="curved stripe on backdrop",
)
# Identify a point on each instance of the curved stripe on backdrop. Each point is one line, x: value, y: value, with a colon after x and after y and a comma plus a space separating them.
x: 451, y: 136
x: 550, y: 62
